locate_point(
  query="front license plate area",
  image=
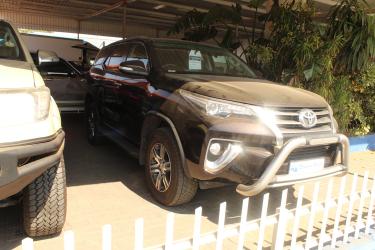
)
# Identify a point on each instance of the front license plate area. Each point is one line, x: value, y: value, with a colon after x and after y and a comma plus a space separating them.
x: 306, y: 166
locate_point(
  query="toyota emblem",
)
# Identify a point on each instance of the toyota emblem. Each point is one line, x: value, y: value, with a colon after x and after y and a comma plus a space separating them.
x: 307, y: 118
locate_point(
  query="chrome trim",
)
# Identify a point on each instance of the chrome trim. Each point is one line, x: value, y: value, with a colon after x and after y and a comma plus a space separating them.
x: 71, y: 109
x: 269, y: 176
x: 287, y: 122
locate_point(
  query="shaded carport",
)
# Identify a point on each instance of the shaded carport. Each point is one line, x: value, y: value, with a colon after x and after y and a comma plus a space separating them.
x: 121, y: 18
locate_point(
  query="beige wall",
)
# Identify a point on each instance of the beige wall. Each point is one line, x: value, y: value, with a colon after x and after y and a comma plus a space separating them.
x: 63, y: 47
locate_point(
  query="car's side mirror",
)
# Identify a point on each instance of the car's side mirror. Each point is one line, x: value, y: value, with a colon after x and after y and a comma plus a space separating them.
x: 45, y: 56
x: 135, y: 67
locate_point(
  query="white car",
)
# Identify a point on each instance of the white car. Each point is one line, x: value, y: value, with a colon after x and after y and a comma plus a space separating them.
x: 32, y: 169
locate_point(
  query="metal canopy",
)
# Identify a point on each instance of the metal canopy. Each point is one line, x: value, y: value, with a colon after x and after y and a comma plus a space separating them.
x: 158, y: 14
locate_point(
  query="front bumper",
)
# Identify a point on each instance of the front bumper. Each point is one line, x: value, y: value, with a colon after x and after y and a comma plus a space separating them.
x: 39, y: 155
x: 269, y: 177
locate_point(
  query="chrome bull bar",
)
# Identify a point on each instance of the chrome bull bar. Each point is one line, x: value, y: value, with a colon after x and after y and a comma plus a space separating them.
x: 270, y: 179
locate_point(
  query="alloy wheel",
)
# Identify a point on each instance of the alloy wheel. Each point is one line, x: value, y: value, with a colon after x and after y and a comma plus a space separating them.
x: 160, y: 167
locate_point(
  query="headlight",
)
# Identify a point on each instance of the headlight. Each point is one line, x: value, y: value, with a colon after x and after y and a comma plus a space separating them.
x: 23, y: 107
x: 42, y: 98
x: 216, y: 107
x: 222, y: 108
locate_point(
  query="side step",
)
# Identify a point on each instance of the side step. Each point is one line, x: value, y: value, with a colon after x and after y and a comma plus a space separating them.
x: 112, y: 135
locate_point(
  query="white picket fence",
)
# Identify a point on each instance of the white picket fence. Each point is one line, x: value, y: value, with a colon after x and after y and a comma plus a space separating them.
x: 358, y: 223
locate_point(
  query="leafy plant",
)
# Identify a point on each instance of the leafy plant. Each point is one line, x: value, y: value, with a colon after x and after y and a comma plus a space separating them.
x: 256, y: 4
x: 363, y: 88
x: 349, y: 20
x: 194, y: 26
x: 202, y: 26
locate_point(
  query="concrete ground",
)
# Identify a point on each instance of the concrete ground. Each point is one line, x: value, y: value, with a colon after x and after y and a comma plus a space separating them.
x: 106, y: 186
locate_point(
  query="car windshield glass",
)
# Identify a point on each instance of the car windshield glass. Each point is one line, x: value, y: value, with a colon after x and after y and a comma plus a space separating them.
x: 9, y: 44
x: 200, y: 59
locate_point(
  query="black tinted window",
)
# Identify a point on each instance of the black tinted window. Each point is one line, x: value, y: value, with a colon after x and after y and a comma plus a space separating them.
x: 55, y: 68
x: 9, y: 45
x: 118, y: 55
x: 181, y: 57
x: 138, y: 53
x: 103, y: 54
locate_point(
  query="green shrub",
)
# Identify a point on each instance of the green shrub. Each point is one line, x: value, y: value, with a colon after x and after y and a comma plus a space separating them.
x: 363, y: 88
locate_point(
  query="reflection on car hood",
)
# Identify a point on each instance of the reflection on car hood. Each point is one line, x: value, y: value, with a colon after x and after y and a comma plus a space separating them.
x: 251, y: 91
x: 16, y: 74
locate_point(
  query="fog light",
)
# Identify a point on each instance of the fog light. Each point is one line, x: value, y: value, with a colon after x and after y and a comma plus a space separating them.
x: 225, y: 152
x: 215, y: 148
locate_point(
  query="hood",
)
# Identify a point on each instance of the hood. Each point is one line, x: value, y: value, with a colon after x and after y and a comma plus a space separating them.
x: 16, y: 74
x: 250, y: 91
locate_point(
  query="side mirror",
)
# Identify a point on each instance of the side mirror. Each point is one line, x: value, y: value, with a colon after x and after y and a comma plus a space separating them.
x: 45, y: 56
x: 135, y: 67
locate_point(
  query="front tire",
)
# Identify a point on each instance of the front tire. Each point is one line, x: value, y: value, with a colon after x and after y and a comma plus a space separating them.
x: 165, y: 175
x: 44, y: 202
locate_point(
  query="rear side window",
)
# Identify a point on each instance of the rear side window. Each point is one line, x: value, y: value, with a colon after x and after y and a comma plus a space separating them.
x: 118, y: 55
x: 10, y: 47
x: 138, y: 53
x: 103, y: 54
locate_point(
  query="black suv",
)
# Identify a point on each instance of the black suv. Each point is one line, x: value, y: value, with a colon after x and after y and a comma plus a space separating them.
x: 196, y: 115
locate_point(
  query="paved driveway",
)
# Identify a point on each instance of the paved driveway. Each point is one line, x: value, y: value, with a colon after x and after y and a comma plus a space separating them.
x: 105, y: 185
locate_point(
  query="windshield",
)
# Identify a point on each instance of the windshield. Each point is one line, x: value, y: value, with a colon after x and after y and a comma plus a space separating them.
x: 199, y: 59
x: 9, y: 44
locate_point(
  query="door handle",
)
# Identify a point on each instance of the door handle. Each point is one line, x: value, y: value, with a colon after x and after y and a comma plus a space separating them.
x: 117, y: 85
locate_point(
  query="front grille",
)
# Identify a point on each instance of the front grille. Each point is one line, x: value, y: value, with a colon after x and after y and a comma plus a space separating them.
x: 328, y: 152
x: 290, y: 126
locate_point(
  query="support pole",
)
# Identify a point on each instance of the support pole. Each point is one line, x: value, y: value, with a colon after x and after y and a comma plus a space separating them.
x: 79, y: 29
x: 124, y: 22
x: 268, y: 25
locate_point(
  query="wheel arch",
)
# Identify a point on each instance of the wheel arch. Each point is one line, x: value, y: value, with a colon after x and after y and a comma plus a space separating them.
x: 152, y: 121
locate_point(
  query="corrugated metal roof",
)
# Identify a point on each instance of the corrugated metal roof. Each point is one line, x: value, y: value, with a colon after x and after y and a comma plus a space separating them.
x: 142, y: 16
